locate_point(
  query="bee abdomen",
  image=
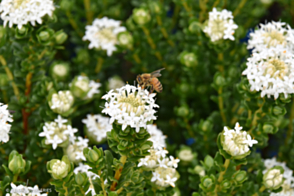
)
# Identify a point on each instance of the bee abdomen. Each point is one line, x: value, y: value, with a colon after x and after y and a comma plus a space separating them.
x: 158, y: 86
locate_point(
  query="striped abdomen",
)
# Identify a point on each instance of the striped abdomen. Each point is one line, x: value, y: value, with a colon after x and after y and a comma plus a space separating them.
x: 156, y: 85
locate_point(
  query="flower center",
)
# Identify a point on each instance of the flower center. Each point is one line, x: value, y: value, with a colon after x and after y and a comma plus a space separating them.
x: 131, y: 104
x: 218, y: 26
x: 106, y: 35
x: 276, y: 68
x: 59, y: 70
x: 59, y: 167
x: 273, y: 38
x: 18, y: 3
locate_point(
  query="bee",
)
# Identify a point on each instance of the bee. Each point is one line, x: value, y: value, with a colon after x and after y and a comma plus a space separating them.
x: 150, y: 79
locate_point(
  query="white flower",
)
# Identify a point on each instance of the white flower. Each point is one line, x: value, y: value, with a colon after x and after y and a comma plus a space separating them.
x: 5, y: 118
x: 271, y: 72
x: 220, y: 25
x: 127, y: 100
x: 157, y: 137
x: 170, y: 180
x: 82, y: 87
x: 22, y: 190
x: 103, y: 34
x: 162, y: 152
x: 55, y: 141
x: 60, y: 121
x: 164, y: 176
x: 61, y: 102
x: 75, y: 149
x: 21, y: 12
x: 273, y: 178
x: 97, y: 127
x: 237, y: 142
x: 186, y: 155
x: 173, y: 162
x: 143, y: 162
x: 93, y: 88
x: 270, y: 35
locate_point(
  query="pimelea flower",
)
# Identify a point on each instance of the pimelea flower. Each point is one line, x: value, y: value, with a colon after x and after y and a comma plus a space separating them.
x: 273, y: 178
x: 271, y: 72
x: 82, y: 87
x: 96, y: 127
x: 22, y: 190
x: 130, y: 106
x: 75, y: 149
x: 5, y: 117
x: 157, y: 137
x: 236, y: 142
x: 22, y: 12
x: 288, y: 184
x: 270, y: 35
x: 103, y: 34
x: 57, y: 133
x: 61, y: 102
x: 220, y: 25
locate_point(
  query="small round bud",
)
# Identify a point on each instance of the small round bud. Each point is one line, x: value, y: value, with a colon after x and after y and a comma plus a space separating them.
x: 268, y: 128
x: 125, y: 39
x: 59, y: 71
x: 273, y: 178
x: 208, y: 161
x: 226, y: 184
x: 188, y: 58
x: 22, y: 30
x: 44, y: 36
x: 240, y: 176
x: 17, y: 164
x: 183, y: 111
x: 141, y: 16
x: 220, y: 80
x: 61, y: 102
x: 206, y: 125
x: 279, y: 111
x: 59, y: 170
x: 80, y: 86
x: 186, y: 155
x: 207, y: 183
x: 60, y: 37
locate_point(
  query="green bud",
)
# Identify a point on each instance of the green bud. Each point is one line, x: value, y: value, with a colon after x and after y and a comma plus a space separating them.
x: 269, y: 128
x: 199, y: 170
x: 226, y: 184
x: 220, y: 80
x: 240, y: 176
x: 183, y: 111
x: 44, y: 36
x: 279, y: 111
x: 81, y: 178
x: 207, y: 183
x: 16, y: 164
x: 155, y: 7
x: 59, y: 169
x: 3, y: 80
x: 188, y: 58
x: 266, y: 2
x: 60, y: 37
x: 195, y: 27
x: 59, y: 70
x: 91, y: 155
x: 205, y: 125
x: 22, y: 32
x: 80, y: 86
x: 273, y: 178
x: 141, y: 16
x: 186, y: 154
x: 125, y: 39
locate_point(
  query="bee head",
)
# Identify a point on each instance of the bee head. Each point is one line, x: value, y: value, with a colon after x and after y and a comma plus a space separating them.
x: 139, y: 80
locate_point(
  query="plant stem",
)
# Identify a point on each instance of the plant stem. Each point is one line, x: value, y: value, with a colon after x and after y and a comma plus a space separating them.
x: 215, y: 3
x: 15, y: 178
x: 187, y: 8
x: 10, y: 76
x: 99, y: 64
x: 102, y: 183
x: 202, y: 5
x: 65, y: 188
x: 256, y: 118
x: 189, y: 128
x: 73, y: 23
x: 290, y: 127
x: 89, y: 14
x: 123, y: 160
x: 136, y: 58
x: 26, y: 114
x: 221, y: 175
x: 221, y: 105
x: 240, y: 6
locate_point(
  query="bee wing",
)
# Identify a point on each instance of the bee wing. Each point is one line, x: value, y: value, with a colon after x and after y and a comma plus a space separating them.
x: 156, y: 73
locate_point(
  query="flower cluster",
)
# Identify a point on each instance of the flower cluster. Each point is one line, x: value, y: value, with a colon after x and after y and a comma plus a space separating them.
x: 270, y: 67
x: 25, y: 190
x: 130, y: 106
x: 96, y: 127
x: 157, y: 137
x: 75, y: 149
x: 288, y: 184
x: 61, y: 102
x: 236, y: 142
x: 82, y: 87
x: 5, y: 117
x: 21, y: 12
x: 220, y: 25
x: 57, y: 132
x: 163, y: 168
x: 103, y: 34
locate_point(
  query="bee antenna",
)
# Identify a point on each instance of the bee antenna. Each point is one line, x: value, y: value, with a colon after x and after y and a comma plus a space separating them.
x: 134, y: 82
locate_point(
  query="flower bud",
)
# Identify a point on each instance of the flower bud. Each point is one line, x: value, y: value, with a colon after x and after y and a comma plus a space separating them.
x: 81, y: 178
x: 205, y: 125
x: 22, y: 32
x: 219, y: 80
x: 266, y: 2
x: 269, y: 128
x: 273, y: 178
x: 195, y: 27
x: 240, y: 176
x: 61, y: 102
x: 182, y: 111
x: 199, y: 170
x: 44, y: 36
x: 59, y: 169
x: 207, y: 183
x: 115, y: 82
x: 59, y: 71
x: 188, y: 58
x: 80, y: 86
x: 60, y: 37
x: 226, y: 184
x: 91, y: 155
x: 125, y: 39
x: 208, y: 161
x: 141, y: 16
x: 279, y: 111
x: 16, y: 163
x: 186, y: 155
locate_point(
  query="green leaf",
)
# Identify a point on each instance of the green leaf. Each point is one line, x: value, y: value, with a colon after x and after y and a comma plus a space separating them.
x: 109, y: 161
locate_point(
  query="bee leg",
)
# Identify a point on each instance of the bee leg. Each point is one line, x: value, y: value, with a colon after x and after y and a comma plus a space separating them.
x: 151, y: 89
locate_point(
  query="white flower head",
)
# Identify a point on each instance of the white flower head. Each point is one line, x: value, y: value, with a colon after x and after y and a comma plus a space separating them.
x: 236, y: 142
x: 61, y: 102
x: 5, y: 118
x: 164, y: 176
x: 22, y: 12
x: 75, y: 149
x: 130, y: 106
x: 157, y: 137
x: 103, y: 34
x: 22, y: 190
x: 269, y: 35
x: 96, y: 127
x: 220, y: 25
x: 271, y: 72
